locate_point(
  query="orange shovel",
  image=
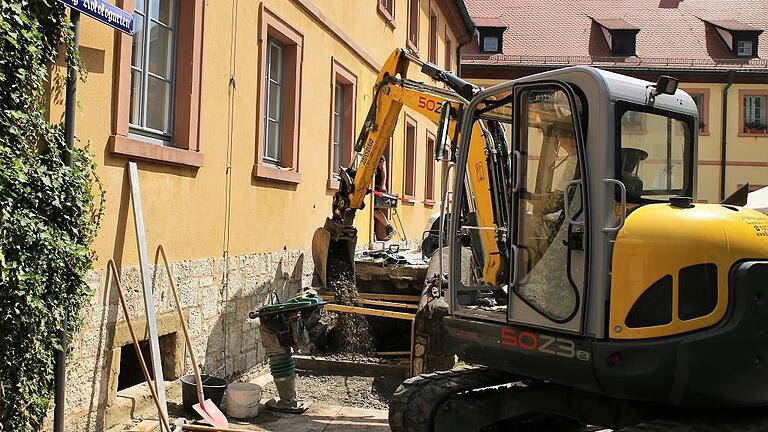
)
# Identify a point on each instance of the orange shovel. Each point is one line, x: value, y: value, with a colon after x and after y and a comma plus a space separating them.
x: 206, y: 408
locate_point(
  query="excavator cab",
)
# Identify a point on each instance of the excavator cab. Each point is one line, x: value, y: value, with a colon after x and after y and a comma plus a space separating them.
x: 587, y: 147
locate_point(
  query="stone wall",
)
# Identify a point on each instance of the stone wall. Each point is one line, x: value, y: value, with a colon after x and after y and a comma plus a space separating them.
x: 216, y: 296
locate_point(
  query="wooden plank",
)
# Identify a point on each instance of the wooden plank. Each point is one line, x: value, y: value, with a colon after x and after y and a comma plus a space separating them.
x: 349, y: 368
x: 392, y: 353
x: 383, y: 297
x: 146, y: 282
x: 391, y: 297
x: 389, y: 304
x: 368, y: 311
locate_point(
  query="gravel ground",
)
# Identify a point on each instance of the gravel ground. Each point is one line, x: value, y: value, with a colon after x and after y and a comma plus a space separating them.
x: 351, y: 391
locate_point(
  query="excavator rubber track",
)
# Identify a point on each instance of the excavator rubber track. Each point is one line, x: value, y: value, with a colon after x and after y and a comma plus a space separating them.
x: 415, y: 402
x: 751, y: 424
x: 414, y: 406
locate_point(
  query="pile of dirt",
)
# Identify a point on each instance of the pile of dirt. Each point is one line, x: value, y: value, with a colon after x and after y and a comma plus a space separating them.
x: 351, y: 333
x: 352, y: 391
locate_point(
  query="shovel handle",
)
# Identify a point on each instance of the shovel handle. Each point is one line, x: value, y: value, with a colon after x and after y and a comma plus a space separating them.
x: 163, y: 418
x: 198, y: 380
x: 201, y: 428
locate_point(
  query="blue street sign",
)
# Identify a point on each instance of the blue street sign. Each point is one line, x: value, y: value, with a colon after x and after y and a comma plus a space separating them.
x: 104, y: 12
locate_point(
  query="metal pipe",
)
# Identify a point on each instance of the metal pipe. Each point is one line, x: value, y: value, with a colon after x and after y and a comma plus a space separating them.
x: 60, y: 366
x: 469, y: 36
x: 724, y: 134
x: 71, y: 92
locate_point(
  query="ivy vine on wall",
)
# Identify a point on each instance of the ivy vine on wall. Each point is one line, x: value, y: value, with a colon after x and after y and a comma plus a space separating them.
x: 49, y: 213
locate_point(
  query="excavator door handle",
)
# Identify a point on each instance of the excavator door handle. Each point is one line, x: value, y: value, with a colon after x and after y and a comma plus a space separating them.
x: 623, y: 205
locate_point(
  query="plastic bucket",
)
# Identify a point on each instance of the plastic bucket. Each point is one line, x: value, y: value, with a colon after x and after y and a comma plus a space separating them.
x: 213, y: 389
x: 243, y: 400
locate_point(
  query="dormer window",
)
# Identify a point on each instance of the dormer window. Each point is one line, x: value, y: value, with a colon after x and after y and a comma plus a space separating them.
x: 744, y: 48
x: 620, y: 35
x: 490, y: 43
x: 491, y: 31
x: 740, y: 38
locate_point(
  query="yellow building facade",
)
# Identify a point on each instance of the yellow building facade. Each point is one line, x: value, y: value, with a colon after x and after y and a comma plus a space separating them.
x: 233, y: 111
x: 217, y: 181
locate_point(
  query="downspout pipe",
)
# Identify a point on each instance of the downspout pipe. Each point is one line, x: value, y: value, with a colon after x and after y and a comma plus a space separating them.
x: 724, y: 134
x: 468, y: 36
x: 60, y: 356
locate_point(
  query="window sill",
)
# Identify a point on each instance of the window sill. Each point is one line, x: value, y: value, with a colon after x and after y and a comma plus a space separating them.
x: 429, y: 203
x: 412, y: 46
x: 333, y: 183
x: 123, y: 146
x: 754, y: 135
x: 389, y: 19
x: 408, y: 199
x: 704, y: 133
x: 273, y: 173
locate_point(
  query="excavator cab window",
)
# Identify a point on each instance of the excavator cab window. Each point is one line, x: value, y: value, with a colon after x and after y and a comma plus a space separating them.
x: 655, y: 154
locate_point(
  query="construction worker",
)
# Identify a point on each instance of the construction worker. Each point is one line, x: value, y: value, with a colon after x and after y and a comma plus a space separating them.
x: 379, y: 217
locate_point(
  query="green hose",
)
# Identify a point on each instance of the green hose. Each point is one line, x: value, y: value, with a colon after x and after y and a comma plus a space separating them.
x: 282, y: 366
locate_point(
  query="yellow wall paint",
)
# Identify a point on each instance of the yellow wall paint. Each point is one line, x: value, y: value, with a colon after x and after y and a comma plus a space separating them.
x: 186, y: 209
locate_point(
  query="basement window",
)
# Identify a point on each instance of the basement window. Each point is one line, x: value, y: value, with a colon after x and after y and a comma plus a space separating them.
x: 130, y: 373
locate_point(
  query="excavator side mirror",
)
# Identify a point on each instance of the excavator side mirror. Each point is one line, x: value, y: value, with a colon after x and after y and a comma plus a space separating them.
x: 441, y: 140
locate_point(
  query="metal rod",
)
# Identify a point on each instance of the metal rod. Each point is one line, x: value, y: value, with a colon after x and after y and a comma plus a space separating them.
x: 146, y: 282
x: 60, y: 366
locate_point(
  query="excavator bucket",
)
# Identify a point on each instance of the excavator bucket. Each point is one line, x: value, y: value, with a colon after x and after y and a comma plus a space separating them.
x: 321, y: 240
x: 332, y: 257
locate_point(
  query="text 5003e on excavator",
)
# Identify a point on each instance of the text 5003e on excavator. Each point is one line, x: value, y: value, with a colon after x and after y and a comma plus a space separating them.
x: 581, y: 274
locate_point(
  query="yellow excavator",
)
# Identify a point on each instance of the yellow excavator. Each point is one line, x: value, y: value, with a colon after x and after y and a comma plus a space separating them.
x: 614, y: 299
x: 392, y: 91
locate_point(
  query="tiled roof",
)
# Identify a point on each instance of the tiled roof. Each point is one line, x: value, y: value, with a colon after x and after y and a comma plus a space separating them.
x: 615, y: 24
x: 673, y: 33
x: 489, y: 22
x: 731, y: 25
